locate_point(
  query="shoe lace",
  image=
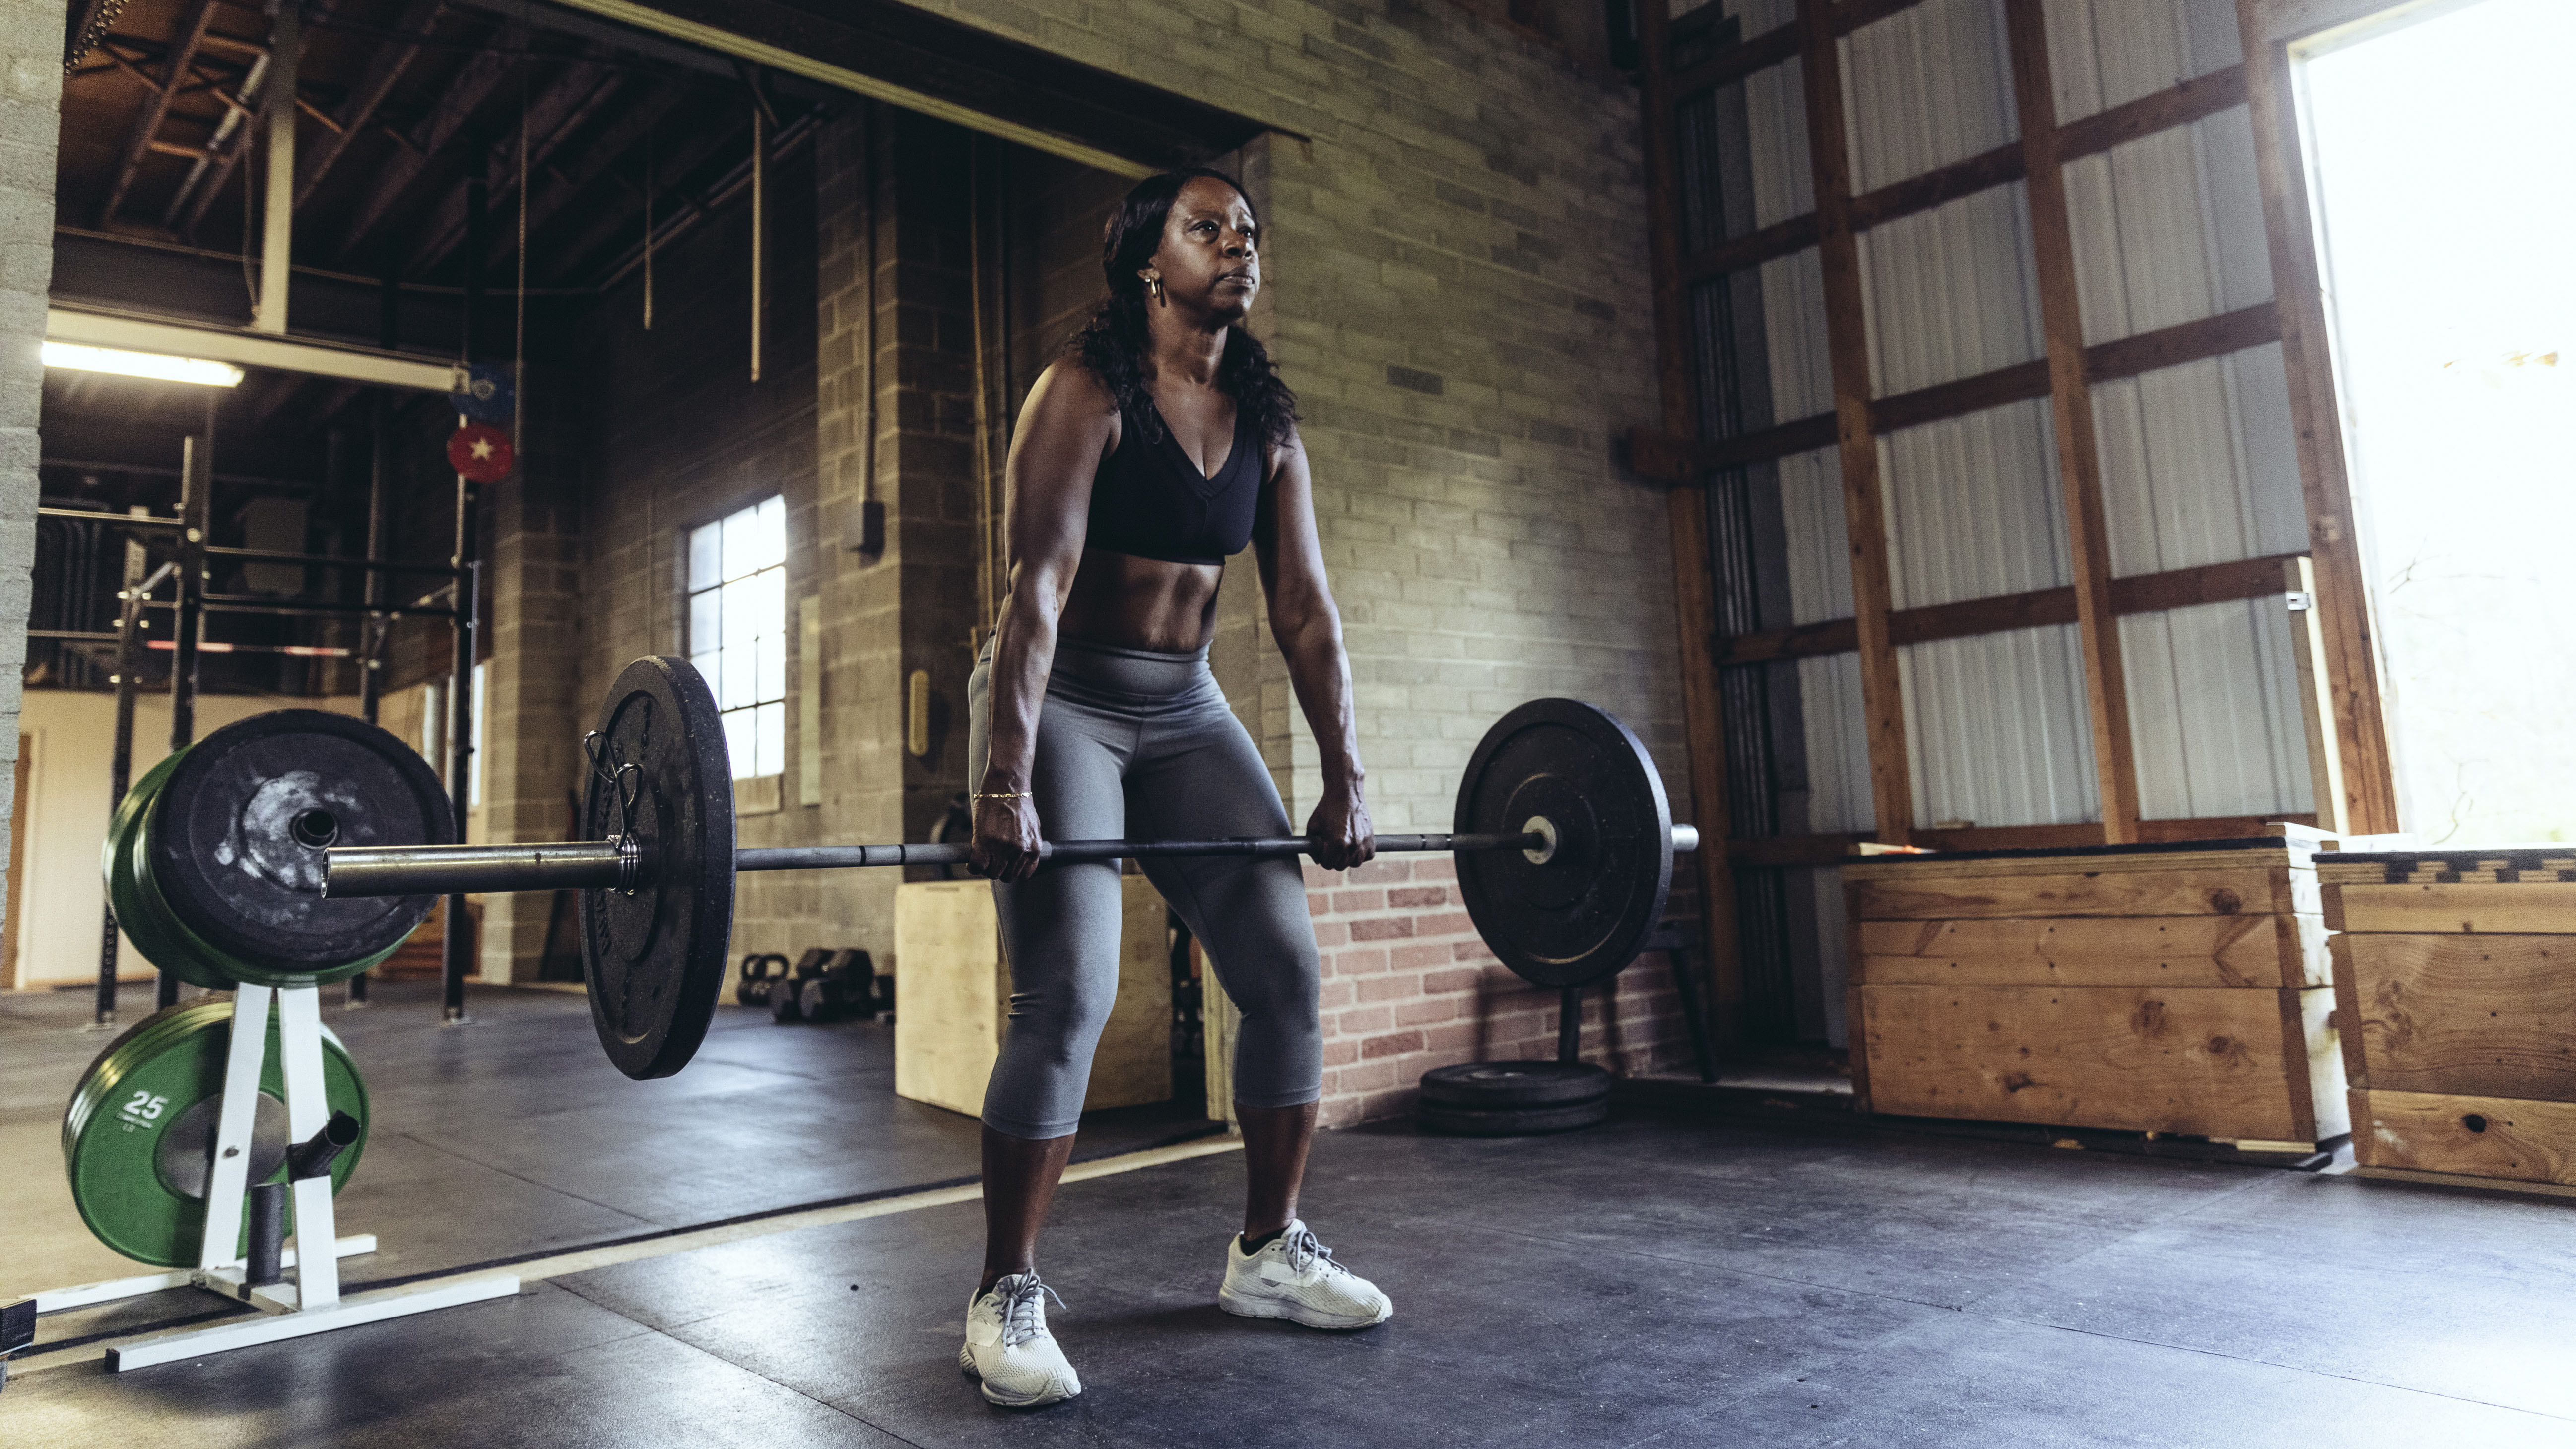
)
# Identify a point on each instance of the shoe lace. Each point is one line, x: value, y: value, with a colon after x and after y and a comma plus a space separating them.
x: 1303, y: 1252
x: 1023, y: 1312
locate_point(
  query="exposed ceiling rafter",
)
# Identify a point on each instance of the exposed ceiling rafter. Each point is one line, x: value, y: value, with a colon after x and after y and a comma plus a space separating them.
x: 383, y: 73
x: 473, y: 83
x: 147, y: 125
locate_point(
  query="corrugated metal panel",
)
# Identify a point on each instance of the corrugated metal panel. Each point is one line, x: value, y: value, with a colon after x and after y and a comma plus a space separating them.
x: 2214, y: 711
x: 2199, y: 464
x: 1775, y: 111
x: 1927, y: 86
x: 1793, y: 314
x: 1838, y: 795
x: 2169, y: 228
x: 1949, y: 293
x: 1997, y: 729
x: 1819, y: 552
x: 1818, y: 560
x: 2104, y: 53
x: 1972, y: 507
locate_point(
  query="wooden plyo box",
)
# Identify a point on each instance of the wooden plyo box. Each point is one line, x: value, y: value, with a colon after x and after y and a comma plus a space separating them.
x: 2455, y: 983
x: 953, y: 998
x: 2175, y: 988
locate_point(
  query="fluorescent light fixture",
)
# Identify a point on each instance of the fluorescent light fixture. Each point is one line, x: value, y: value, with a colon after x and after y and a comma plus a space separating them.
x: 141, y: 364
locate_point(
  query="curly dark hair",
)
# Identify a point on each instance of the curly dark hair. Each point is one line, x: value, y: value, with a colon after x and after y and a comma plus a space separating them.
x: 1113, y: 344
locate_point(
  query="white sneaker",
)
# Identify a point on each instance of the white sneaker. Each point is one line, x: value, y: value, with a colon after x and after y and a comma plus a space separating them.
x: 1294, y: 1277
x: 1009, y: 1348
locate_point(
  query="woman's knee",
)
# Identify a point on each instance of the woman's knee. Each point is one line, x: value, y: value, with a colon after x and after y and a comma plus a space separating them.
x: 1073, y: 1008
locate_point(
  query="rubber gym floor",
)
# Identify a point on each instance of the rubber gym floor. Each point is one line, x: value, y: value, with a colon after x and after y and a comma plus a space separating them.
x: 1664, y: 1280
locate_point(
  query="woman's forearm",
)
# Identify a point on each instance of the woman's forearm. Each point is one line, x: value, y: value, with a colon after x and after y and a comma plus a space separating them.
x: 1023, y: 656
x: 1320, y: 669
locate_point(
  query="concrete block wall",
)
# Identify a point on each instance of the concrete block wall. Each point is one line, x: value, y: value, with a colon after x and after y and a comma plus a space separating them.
x: 31, y: 91
x: 534, y: 705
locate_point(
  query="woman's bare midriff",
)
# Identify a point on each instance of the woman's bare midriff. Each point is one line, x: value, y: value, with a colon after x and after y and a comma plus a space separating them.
x: 1140, y: 603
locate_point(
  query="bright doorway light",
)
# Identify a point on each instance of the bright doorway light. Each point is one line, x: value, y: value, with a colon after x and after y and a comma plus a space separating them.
x: 141, y: 364
x: 2446, y: 187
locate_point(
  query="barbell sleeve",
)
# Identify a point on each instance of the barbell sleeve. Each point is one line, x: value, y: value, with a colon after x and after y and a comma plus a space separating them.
x: 419, y: 870
x: 439, y: 870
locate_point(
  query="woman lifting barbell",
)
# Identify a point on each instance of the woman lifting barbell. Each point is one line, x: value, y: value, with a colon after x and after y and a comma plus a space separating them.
x: 1152, y: 451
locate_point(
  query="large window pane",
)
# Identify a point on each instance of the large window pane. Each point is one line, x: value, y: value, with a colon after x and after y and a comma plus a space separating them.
x: 738, y: 630
x: 706, y: 556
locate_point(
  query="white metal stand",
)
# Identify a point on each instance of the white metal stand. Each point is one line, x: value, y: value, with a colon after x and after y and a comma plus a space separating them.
x: 310, y: 1301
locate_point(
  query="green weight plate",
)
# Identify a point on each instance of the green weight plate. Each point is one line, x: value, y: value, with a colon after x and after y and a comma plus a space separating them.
x: 139, y: 1128
x: 140, y: 913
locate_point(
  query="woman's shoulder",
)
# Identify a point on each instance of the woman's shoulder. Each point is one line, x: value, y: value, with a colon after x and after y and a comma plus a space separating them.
x: 1071, y: 382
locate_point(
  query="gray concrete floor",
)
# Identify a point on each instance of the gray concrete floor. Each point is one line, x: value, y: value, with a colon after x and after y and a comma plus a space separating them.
x: 513, y: 1135
x: 1662, y: 1281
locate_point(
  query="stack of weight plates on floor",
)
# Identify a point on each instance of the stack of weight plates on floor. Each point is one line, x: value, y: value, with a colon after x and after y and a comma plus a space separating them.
x: 214, y: 867
x: 214, y: 859
x: 1514, y: 1099
x: 138, y: 1139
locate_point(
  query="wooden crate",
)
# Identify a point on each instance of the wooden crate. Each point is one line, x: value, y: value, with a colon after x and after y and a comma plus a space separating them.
x: 2179, y: 988
x: 2455, y: 983
x: 953, y: 998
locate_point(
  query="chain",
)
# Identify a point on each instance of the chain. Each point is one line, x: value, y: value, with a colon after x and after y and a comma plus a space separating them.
x: 625, y: 782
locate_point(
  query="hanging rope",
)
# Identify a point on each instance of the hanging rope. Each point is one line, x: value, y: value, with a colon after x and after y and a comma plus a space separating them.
x: 648, y: 226
x: 519, y: 303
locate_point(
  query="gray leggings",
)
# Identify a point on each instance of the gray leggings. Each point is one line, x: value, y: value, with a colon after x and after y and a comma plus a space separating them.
x: 1136, y: 743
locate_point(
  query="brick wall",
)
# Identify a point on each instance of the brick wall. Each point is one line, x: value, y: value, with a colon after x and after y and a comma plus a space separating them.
x: 31, y: 87
x: 1409, y: 986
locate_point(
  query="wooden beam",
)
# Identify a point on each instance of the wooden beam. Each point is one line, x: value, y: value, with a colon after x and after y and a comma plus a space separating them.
x: 191, y: 33
x: 473, y: 82
x: 2020, y: 382
x: 383, y: 72
x: 1847, y: 340
x: 601, y: 156
x: 1751, y: 249
x: 554, y: 114
x: 2070, y: 400
x: 2308, y: 662
x: 1694, y: 590
x: 1734, y: 63
x: 2316, y: 420
x: 1936, y: 187
x: 2253, y: 578
x: 2179, y: 105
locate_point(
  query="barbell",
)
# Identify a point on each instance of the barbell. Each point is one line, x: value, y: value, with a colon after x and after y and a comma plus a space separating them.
x: 1563, y: 838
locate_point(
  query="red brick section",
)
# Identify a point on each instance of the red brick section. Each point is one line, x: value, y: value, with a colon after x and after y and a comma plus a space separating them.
x: 1408, y: 986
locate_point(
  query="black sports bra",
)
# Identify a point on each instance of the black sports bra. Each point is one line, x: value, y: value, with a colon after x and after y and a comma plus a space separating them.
x: 1150, y: 500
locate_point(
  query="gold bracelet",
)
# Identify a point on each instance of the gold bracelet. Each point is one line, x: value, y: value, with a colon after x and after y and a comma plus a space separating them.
x: 983, y: 795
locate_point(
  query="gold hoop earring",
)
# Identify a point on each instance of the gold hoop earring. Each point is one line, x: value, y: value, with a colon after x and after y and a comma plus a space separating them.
x: 1154, y: 288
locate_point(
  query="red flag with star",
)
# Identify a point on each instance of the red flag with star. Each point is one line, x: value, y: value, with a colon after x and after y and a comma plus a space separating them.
x: 481, y: 453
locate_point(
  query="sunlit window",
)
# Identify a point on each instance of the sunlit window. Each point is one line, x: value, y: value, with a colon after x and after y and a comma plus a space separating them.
x: 738, y: 630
